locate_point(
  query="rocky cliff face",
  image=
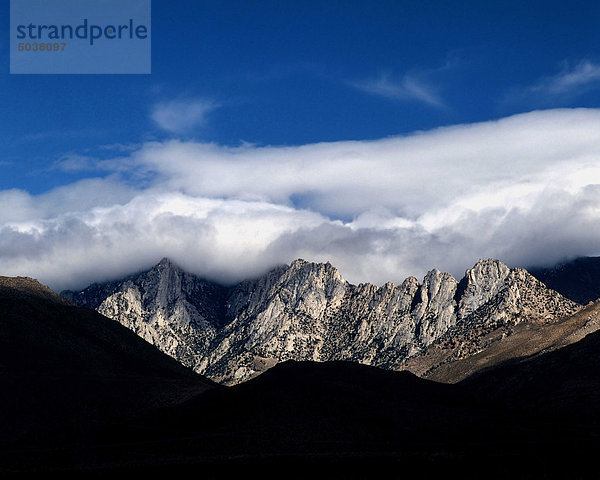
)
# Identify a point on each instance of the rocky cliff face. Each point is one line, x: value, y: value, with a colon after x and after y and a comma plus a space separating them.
x: 174, y: 310
x: 494, y: 302
x: 307, y: 311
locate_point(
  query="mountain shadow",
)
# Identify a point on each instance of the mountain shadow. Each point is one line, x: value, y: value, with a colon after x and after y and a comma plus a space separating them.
x: 577, y: 280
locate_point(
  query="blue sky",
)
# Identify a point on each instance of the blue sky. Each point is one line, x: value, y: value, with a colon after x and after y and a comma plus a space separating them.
x: 302, y: 72
x: 259, y: 75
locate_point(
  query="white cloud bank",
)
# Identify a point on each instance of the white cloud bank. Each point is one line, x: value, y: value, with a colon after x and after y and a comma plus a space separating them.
x: 524, y: 189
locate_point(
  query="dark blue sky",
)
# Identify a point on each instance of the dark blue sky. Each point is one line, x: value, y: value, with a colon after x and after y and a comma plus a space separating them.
x: 291, y: 73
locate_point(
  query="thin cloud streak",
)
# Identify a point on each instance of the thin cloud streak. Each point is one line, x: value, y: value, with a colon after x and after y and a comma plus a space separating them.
x: 406, y: 88
x: 564, y: 86
x: 584, y: 74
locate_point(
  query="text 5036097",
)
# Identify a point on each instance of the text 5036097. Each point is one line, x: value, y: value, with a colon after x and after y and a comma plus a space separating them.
x: 41, y: 47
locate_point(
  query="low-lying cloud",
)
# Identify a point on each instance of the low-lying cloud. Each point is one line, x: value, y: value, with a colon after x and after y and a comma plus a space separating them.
x: 524, y: 189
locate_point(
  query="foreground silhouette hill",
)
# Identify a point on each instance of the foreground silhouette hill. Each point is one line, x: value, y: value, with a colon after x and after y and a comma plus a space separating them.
x: 65, y: 370
x: 355, y: 420
x: 562, y: 386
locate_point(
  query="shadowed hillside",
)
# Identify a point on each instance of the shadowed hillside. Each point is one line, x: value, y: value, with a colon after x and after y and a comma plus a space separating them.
x: 578, y: 280
x: 65, y: 369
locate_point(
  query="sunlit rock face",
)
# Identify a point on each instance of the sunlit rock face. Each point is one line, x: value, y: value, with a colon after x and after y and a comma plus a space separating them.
x: 307, y: 311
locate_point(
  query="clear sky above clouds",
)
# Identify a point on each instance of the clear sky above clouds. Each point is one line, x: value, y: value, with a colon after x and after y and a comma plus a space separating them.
x: 386, y: 137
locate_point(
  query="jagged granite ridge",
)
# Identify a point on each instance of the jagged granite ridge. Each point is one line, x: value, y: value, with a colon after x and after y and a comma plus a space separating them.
x: 307, y: 311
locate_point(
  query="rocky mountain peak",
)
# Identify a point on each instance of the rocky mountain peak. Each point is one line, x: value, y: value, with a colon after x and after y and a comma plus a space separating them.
x: 487, y: 273
x: 480, y: 284
x: 488, y: 264
x: 313, y: 268
x: 165, y: 263
x: 410, y: 282
x: 435, y: 278
x: 298, y: 263
x: 165, y: 283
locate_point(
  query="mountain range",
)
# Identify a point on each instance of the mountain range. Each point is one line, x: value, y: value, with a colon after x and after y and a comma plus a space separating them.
x: 307, y: 312
x: 519, y: 362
